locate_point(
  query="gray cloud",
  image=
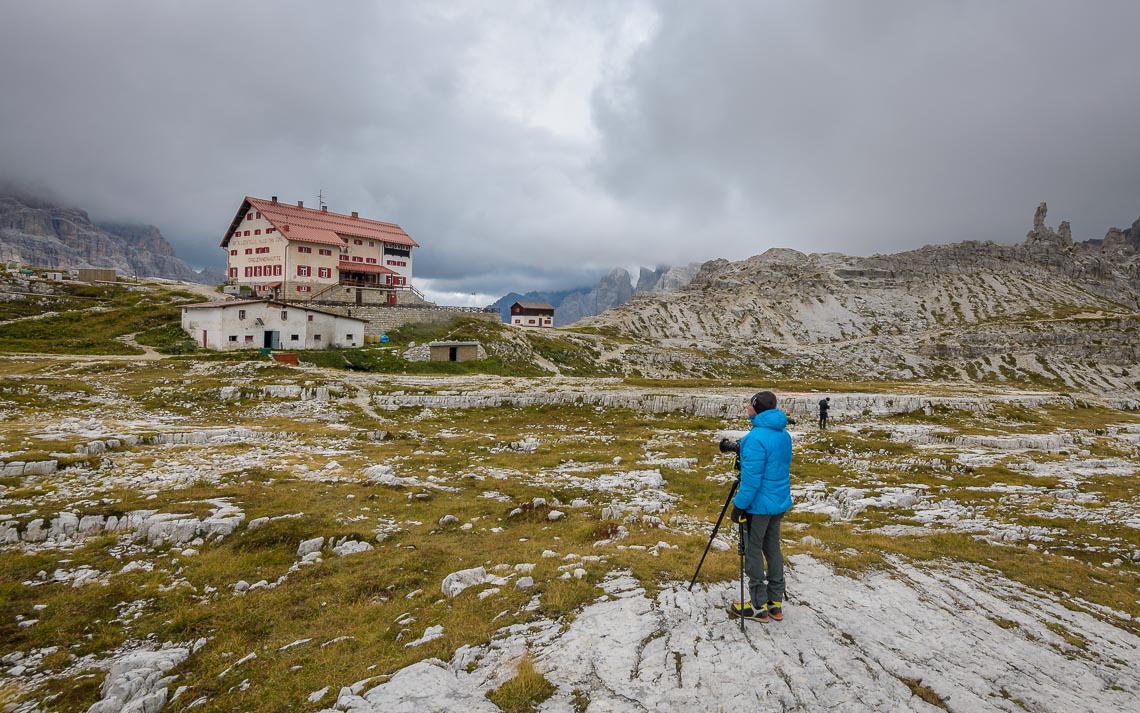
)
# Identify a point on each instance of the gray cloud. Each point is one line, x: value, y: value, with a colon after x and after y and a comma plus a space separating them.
x: 530, y: 146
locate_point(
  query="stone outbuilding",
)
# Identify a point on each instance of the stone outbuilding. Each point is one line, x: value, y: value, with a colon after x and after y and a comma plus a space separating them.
x: 268, y: 324
x: 532, y: 314
x: 454, y: 351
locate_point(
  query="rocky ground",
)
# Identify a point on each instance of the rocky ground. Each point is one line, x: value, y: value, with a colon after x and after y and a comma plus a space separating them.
x: 248, y: 536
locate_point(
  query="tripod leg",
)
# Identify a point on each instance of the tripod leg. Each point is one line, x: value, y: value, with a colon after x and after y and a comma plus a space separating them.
x: 743, y: 534
x: 731, y: 492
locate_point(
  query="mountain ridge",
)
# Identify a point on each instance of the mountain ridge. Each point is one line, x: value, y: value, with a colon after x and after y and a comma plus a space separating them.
x: 36, y: 231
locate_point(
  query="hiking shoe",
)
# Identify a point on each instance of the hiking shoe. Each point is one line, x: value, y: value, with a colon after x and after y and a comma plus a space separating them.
x: 736, y: 611
x: 775, y: 611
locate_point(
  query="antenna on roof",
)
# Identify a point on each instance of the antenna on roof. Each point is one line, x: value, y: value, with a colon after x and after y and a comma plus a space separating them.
x: 321, y: 199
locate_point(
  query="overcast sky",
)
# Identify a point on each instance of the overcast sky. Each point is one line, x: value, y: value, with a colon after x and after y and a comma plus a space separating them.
x: 533, y: 145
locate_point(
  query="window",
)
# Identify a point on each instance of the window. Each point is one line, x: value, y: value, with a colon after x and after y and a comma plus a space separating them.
x: 344, y: 258
x: 357, y: 258
x: 304, y: 271
x: 259, y: 215
x: 249, y: 251
x: 294, y: 337
x: 233, y: 337
x: 310, y: 318
x: 233, y: 272
x: 357, y: 242
x: 371, y: 244
x: 241, y: 314
x: 303, y: 249
x: 270, y: 230
x: 233, y: 252
x: 248, y: 272
x: 249, y: 216
x: 277, y: 270
x: 257, y: 271
x: 530, y: 321
x: 371, y: 261
x: 257, y: 232
x: 316, y: 337
x: 284, y: 315
x: 249, y: 339
x: 247, y: 233
x: 324, y: 272
x: 323, y: 251
x: 304, y: 288
x: 348, y: 337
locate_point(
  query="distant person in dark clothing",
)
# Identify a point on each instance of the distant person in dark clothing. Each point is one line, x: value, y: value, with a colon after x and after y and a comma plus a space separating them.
x: 824, y: 404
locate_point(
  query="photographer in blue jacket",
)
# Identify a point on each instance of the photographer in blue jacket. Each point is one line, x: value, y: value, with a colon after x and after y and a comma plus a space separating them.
x: 765, y: 494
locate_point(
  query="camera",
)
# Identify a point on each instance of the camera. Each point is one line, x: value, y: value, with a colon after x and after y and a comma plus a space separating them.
x: 728, y: 445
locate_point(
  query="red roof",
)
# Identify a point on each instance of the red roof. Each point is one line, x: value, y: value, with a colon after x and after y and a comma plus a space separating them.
x: 311, y: 225
x: 364, y: 267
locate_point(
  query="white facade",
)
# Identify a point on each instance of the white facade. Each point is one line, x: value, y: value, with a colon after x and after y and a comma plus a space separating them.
x: 256, y: 324
x: 295, y: 253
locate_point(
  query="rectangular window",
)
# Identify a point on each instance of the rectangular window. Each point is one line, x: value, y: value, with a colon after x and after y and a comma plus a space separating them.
x: 304, y: 271
x: 530, y: 321
x: 270, y: 230
x: 277, y: 270
x: 241, y: 314
x: 259, y: 215
x: 344, y: 258
x: 233, y: 337
x: 249, y: 216
x: 324, y: 272
x: 294, y: 337
x: 257, y: 232
x: 316, y: 337
x: 247, y: 233
x: 371, y: 261
x: 284, y: 315
x: 371, y: 244
x: 249, y: 251
x: 348, y: 337
x: 304, y: 288
x: 233, y: 272
x: 357, y: 258
x: 249, y: 339
x: 310, y: 318
x: 248, y: 272
x: 233, y: 252
x: 257, y: 271
x: 323, y: 251
x: 303, y: 249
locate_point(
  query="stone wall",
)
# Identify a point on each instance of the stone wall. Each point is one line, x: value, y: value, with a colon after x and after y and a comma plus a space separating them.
x: 385, y: 318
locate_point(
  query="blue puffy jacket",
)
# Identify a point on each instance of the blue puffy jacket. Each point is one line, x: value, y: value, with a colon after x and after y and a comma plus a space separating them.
x: 765, y: 466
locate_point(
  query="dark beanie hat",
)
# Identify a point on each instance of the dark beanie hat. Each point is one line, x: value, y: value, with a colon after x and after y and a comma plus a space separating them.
x: 763, y: 400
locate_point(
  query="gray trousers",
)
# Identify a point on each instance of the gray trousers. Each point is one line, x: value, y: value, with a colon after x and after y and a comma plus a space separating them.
x: 765, y: 584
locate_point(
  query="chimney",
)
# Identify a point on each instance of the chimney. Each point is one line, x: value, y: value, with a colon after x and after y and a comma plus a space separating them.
x: 324, y: 209
x: 300, y: 204
x: 355, y: 214
x: 273, y: 200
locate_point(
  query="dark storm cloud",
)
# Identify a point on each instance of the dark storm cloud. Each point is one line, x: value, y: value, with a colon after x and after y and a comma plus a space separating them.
x: 529, y: 146
x: 875, y: 126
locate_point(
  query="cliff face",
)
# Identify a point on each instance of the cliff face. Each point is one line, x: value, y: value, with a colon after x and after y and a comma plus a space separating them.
x: 35, y: 232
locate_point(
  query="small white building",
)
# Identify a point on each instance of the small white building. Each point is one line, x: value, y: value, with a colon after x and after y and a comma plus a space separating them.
x: 268, y: 324
x: 532, y: 314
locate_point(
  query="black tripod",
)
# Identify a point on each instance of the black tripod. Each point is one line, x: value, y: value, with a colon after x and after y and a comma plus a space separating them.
x: 740, y: 547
